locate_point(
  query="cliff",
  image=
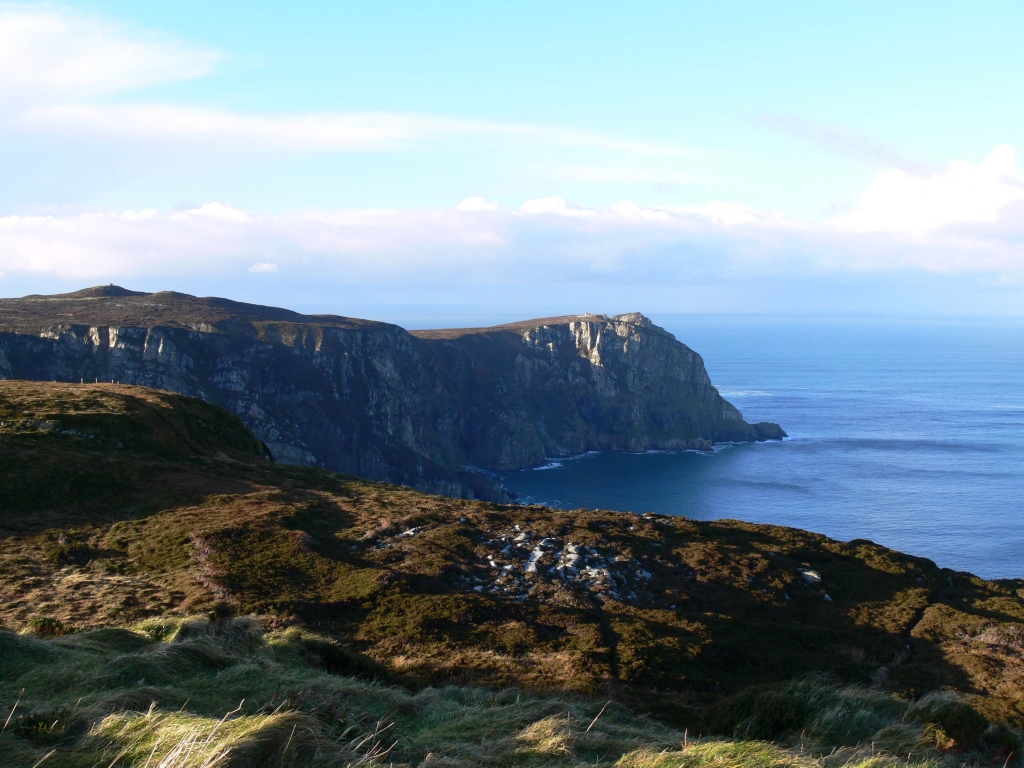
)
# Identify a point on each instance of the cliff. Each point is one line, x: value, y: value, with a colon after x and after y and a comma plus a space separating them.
x: 426, y: 409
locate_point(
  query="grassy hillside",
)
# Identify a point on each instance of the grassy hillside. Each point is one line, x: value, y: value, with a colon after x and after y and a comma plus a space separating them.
x: 203, y: 693
x: 125, y: 507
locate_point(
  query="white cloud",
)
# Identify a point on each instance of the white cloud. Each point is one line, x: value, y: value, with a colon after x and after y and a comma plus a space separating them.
x: 54, y: 62
x: 901, y: 202
x: 215, y: 210
x: 547, y: 242
x: 307, y: 132
x: 48, y: 52
x: 477, y: 204
x: 226, y: 130
x: 556, y: 205
x: 732, y: 214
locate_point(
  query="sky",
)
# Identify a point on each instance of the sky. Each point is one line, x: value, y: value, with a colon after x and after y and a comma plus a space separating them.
x: 429, y: 161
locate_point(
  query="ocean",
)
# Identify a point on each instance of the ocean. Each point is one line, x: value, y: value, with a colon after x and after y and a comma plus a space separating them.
x: 909, y: 433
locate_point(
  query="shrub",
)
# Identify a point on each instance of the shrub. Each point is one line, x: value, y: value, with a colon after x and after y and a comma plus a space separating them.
x: 45, y: 626
x: 338, y: 660
x: 958, y: 720
x: 68, y: 553
x: 758, y: 713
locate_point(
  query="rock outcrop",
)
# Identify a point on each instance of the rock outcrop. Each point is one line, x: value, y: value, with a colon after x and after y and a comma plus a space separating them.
x: 427, y: 408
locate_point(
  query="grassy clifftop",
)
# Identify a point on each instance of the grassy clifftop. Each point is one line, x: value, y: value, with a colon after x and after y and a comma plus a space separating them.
x: 121, y: 505
x: 92, y: 453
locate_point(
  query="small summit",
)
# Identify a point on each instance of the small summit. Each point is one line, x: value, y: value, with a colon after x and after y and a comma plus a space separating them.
x: 98, y: 292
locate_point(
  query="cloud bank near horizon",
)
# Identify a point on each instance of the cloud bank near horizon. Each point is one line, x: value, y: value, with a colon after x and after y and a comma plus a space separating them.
x: 962, y: 220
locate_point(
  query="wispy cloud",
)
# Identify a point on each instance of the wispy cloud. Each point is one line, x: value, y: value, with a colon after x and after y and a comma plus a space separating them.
x: 50, y: 52
x: 311, y: 132
x: 841, y: 141
x: 54, y: 62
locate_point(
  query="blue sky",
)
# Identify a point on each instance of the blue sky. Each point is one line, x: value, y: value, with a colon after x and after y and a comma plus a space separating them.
x: 399, y: 159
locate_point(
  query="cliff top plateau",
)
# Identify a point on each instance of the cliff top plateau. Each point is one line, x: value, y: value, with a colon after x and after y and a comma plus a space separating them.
x: 113, y: 305
x: 125, y: 511
x: 436, y: 410
x: 107, y: 305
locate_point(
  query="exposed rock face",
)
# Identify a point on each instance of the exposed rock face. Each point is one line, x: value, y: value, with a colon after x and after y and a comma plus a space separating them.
x: 372, y: 399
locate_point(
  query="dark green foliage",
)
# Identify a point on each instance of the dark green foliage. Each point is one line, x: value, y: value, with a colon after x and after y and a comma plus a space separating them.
x: 758, y: 713
x: 67, y: 549
x: 45, y: 626
x: 957, y: 719
x: 333, y: 657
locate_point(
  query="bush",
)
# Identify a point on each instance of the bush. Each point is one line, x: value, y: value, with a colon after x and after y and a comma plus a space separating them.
x: 336, y: 659
x: 758, y: 713
x: 68, y: 553
x: 44, y: 626
x: 958, y: 720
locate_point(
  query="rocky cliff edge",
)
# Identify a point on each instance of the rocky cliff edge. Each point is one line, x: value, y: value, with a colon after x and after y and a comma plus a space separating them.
x: 429, y: 409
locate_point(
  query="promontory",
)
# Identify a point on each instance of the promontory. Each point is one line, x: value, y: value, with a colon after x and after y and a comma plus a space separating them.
x: 435, y: 410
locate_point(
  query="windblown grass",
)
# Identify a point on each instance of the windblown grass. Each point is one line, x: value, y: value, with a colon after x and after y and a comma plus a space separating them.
x: 200, y: 693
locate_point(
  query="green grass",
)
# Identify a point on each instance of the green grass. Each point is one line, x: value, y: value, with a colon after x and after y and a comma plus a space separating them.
x: 203, y: 692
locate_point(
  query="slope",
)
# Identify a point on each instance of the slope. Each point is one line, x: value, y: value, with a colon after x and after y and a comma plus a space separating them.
x: 119, y: 504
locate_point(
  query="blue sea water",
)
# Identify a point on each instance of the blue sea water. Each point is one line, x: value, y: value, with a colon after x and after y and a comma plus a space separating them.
x: 906, y: 432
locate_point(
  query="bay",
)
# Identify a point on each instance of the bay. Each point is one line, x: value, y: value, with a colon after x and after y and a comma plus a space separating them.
x: 906, y: 432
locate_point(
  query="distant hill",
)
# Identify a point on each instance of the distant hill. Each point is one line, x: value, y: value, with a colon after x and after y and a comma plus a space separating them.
x: 119, y: 504
x: 432, y: 409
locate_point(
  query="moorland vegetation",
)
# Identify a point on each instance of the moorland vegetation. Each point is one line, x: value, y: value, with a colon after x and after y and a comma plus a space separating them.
x: 171, y: 596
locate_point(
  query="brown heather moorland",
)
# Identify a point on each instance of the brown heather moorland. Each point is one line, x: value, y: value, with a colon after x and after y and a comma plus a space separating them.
x: 131, y: 510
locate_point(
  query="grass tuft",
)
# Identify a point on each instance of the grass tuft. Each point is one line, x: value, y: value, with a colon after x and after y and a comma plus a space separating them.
x: 223, y: 693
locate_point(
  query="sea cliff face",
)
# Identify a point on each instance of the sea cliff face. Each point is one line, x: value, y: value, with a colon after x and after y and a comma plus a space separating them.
x: 427, y: 409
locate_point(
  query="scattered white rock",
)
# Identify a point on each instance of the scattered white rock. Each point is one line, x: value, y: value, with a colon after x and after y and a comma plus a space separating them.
x: 411, y: 531
x: 811, y: 577
x: 535, y: 556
